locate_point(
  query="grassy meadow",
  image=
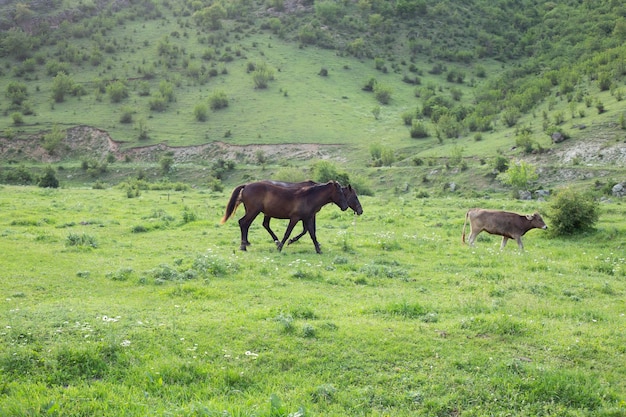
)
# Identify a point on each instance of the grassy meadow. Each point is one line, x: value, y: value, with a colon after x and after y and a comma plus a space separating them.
x: 117, y: 306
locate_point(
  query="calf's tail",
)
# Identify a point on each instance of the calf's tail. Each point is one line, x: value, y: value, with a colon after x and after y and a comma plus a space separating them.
x: 464, y: 224
x: 233, y: 203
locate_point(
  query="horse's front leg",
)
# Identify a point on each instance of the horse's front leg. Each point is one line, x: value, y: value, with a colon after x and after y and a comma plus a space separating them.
x: 266, y: 224
x: 290, y: 226
x: 295, y: 239
x: 309, y: 225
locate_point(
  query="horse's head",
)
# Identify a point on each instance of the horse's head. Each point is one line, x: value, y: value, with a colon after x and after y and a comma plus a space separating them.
x: 338, y: 196
x: 352, y: 199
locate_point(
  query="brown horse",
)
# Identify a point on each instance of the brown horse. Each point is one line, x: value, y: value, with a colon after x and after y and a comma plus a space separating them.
x: 348, y: 191
x: 283, y: 203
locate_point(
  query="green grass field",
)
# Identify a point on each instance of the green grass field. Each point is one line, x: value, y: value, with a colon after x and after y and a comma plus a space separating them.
x: 117, y: 306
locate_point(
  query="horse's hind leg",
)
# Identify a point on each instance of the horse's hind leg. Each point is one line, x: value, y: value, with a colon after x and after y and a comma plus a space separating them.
x: 266, y: 224
x: 244, y: 225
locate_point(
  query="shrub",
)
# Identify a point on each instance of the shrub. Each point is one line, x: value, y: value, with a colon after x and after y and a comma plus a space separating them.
x: 324, y: 171
x: 501, y: 163
x: 407, y: 117
x: 117, y: 91
x: 48, y: 179
x: 370, y: 84
x: 16, y: 92
x: 418, y: 130
x: 262, y: 75
x: 158, y: 103
x: 510, y: 116
x: 200, y: 112
x: 127, y: 114
x: 572, y: 212
x: 382, y: 93
x: 17, y: 118
x: 218, y: 100
x: 19, y: 175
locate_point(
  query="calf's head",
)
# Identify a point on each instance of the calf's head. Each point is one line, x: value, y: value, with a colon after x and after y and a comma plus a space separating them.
x: 536, y: 221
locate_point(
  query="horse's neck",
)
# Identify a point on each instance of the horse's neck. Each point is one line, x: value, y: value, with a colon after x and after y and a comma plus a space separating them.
x: 319, y: 195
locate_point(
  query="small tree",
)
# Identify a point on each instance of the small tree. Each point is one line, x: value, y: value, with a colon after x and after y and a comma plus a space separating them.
x: 61, y: 85
x: 572, y: 212
x: 52, y: 140
x: 324, y: 171
x: 16, y: 92
x: 519, y: 175
x: 166, y: 164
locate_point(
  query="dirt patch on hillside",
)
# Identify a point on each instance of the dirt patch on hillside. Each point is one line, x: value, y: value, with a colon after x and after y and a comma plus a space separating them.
x: 600, y: 146
x: 88, y: 142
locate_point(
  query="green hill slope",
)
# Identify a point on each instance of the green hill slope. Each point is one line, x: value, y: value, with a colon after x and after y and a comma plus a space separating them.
x: 428, y: 80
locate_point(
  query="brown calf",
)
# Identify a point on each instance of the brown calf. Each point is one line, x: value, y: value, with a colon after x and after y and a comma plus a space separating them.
x: 502, y: 223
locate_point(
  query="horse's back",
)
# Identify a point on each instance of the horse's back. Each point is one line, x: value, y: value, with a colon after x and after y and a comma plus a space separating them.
x: 270, y: 199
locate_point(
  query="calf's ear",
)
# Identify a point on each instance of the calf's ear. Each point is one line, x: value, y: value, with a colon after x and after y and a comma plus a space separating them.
x: 530, y: 216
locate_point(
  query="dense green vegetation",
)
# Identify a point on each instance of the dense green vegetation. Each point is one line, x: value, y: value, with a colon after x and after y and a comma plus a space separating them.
x: 115, y: 306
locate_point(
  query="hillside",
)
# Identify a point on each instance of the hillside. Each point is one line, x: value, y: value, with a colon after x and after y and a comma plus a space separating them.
x: 411, y: 86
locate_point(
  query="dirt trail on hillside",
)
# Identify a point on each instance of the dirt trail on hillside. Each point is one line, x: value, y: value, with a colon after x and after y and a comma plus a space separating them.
x: 89, y: 142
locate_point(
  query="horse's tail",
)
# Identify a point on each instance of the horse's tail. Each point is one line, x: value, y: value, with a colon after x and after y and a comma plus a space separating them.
x: 233, y: 203
x: 465, y: 224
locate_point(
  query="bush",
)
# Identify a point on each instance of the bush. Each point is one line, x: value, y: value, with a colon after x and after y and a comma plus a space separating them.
x: 382, y: 93
x: 218, y: 100
x: 17, y: 117
x: 572, y: 212
x: 48, y: 179
x: 127, y: 114
x: 519, y: 176
x: 418, y: 130
x: 117, y: 91
x: 262, y: 75
x: 200, y: 112
x: 324, y: 171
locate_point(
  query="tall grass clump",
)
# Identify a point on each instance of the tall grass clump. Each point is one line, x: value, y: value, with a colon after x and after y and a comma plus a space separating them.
x: 81, y: 240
